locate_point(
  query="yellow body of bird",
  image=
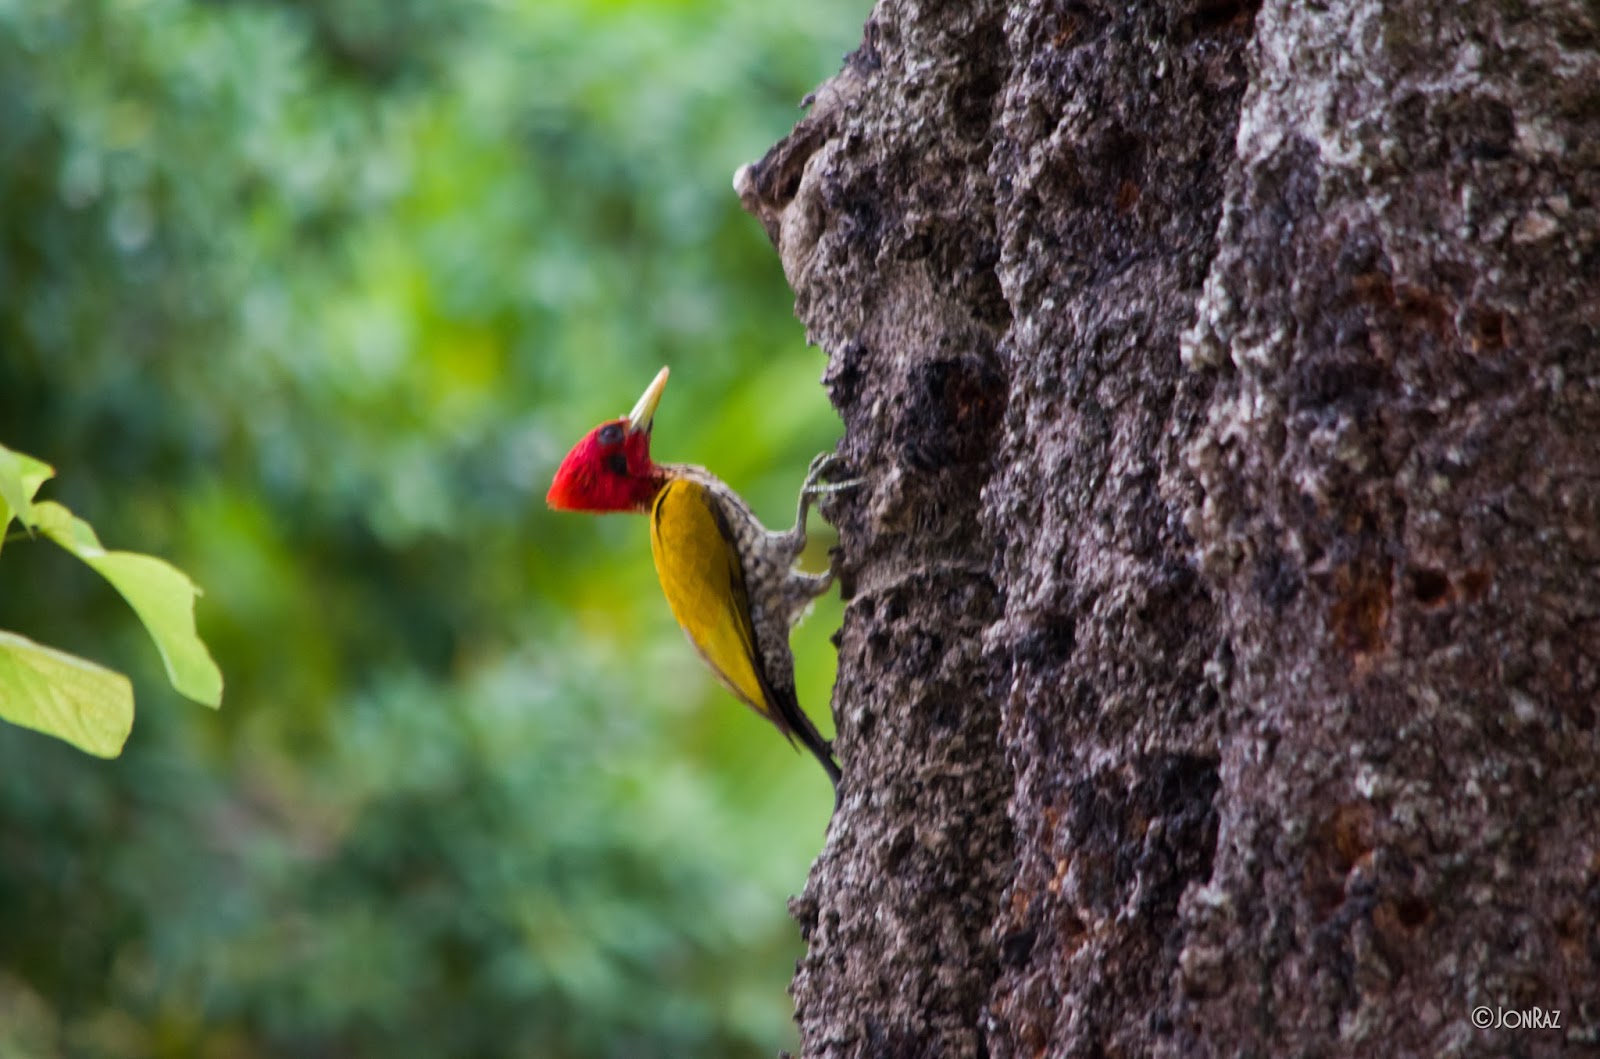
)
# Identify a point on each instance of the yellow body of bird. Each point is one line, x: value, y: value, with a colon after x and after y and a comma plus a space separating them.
x: 731, y: 585
x: 703, y: 581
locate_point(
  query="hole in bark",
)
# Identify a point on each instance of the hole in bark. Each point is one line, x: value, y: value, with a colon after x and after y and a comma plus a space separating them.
x: 1430, y: 587
x: 1475, y: 127
x: 1350, y: 832
x: 894, y: 608
x: 1475, y: 582
x: 846, y: 372
x: 1570, y: 924
x: 1052, y: 638
x: 789, y: 188
x: 899, y: 850
x: 1341, y: 842
x: 1425, y: 311
x: 1486, y: 330
x: 775, y: 180
x: 1373, y: 288
x: 1413, y: 912
x: 1127, y: 196
x: 1120, y: 153
x: 972, y: 102
x: 1016, y: 947
x: 1360, y: 611
x: 956, y: 407
x: 1215, y: 16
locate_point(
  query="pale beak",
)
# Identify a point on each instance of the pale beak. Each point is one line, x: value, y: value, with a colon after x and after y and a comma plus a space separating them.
x: 644, y: 412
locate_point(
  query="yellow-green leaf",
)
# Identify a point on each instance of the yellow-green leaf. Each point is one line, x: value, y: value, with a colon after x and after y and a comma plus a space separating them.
x: 63, y: 695
x: 160, y: 593
x: 20, y: 478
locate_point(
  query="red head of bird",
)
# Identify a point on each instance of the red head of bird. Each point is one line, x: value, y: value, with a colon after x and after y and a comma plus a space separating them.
x: 611, y: 468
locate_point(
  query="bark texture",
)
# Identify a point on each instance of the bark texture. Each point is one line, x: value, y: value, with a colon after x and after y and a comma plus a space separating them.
x: 1222, y: 667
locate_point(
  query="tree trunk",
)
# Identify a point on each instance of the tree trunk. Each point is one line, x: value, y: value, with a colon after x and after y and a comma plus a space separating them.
x: 1222, y: 663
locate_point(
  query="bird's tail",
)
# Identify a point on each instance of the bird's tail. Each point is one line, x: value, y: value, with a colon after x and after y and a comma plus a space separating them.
x: 796, y: 725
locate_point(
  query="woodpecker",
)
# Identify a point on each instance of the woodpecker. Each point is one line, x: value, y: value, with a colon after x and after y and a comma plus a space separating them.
x: 730, y: 581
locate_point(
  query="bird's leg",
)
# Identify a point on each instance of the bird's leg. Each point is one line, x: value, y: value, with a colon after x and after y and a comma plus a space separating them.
x: 821, y: 463
x: 801, y: 588
x: 814, y: 487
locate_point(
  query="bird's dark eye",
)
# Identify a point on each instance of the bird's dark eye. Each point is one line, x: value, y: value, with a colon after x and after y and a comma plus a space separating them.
x: 611, y: 434
x: 617, y: 463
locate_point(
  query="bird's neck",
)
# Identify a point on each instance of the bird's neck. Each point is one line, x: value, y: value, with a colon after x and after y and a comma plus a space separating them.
x: 681, y: 472
x: 648, y: 486
x: 729, y: 502
x: 643, y: 489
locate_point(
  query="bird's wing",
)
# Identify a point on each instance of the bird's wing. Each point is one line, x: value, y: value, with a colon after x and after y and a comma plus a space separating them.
x: 700, y: 572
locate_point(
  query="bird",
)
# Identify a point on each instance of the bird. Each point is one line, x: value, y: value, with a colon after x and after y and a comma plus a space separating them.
x: 731, y: 582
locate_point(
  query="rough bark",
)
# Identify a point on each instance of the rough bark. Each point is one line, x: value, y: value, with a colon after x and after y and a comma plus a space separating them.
x: 1222, y: 666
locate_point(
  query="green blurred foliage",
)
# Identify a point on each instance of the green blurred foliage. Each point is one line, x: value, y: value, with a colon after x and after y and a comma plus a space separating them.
x: 309, y: 298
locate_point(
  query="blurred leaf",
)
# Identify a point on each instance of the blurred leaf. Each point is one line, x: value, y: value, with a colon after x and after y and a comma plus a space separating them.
x: 160, y: 593
x: 20, y: 478
x: 65, y: 696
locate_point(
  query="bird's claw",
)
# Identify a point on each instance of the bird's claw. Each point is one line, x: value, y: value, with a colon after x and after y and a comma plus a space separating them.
x: 821, y: 465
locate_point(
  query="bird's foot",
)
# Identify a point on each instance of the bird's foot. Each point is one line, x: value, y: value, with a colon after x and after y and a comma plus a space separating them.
x: 821, y: 466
